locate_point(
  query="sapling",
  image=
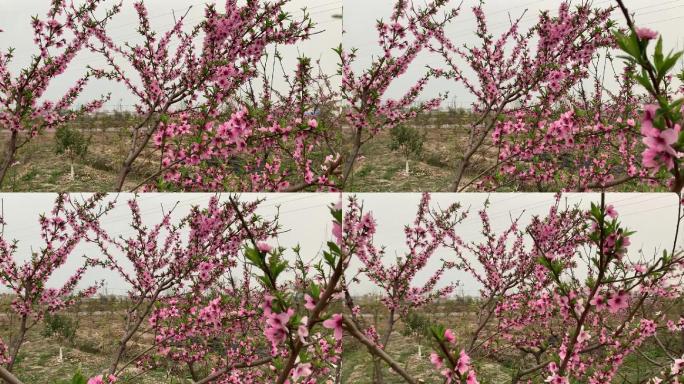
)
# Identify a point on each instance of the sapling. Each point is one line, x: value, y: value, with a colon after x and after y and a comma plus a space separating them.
x: 427, y: 234
x: 562, y: 298
x: 519, y: 75
x: 402, y: 38
x: 408, y: 141
x: 71, y: 143
x: 262, y: 318
x: 59, y: 38
x: 171, y: 259
x: 536, y: 312
x: 273, y: 141
x: 61, y: 230
x: 192, y: 68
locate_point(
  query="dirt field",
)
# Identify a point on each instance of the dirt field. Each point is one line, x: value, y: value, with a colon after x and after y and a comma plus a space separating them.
x: 98, y: 326
x: 378, y: 169
x: 40, y: 169
x: 411, y: 345
x: 381, y: 169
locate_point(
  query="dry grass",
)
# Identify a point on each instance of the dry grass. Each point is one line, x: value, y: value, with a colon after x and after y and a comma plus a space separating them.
x: 381, y: 169
x: 100, y: 324
x: 89, y: 352
x: 40, y: 169
x: 411, y: 347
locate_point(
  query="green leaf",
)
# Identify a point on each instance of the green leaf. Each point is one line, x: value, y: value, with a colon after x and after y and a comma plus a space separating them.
x: 329, y: 259
x: 277, y: 268
x: 658, y: 55
x: 438, y: 332
x: 255, y: 257
x: 677, y: 104
x: 644, y: 81
x: 334, y: 248
x: 543, y: 261
x: 264, y: 280
x: 668, y: 64
x: 580, y: 112
x: 337, y: 214
x: 78, y: 378
x: 556, y: 267
x: 315, y: 291
x: 596, y: 211
x: 628, y: 44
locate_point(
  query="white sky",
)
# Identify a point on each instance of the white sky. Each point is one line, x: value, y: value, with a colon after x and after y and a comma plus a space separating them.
x: 652, y: 216
x: 361, y: 15
x: 305, y: 217
x: 359, y: 23
x: 15, y: 18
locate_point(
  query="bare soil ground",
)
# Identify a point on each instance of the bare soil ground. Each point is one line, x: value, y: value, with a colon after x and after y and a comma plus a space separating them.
x: 414, y: 356
x: 89, y: 352
x: 39, y: 169
x: 411, y: 344
x: 100, y: 323
x: 381, y: 169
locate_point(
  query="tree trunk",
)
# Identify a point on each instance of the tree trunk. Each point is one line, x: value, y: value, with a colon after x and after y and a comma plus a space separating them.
x: 378, y: 363
x: 461, y: 169
x: 349, y: 167
x: 407, y: 167
x: 193, y: 373
x: 10, y: 151
x: 377, y: 370
x: 72, y: 174
x: 475, y: 141
x: 121, y: 350
x: 123, y: 173
x: 375, y: 351
x: 338, y: 373
x: 140, y: 139
x: 8, y: 377
x: 15, y: 345
x: 131, y: 331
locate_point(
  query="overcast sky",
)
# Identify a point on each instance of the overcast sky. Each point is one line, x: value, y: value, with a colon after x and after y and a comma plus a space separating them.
x: 307, y: 221
x: 304, y: 217
x: 359, y: 22
x: 15, y: 18
x: 361, y: 15
x: 652, y: 216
